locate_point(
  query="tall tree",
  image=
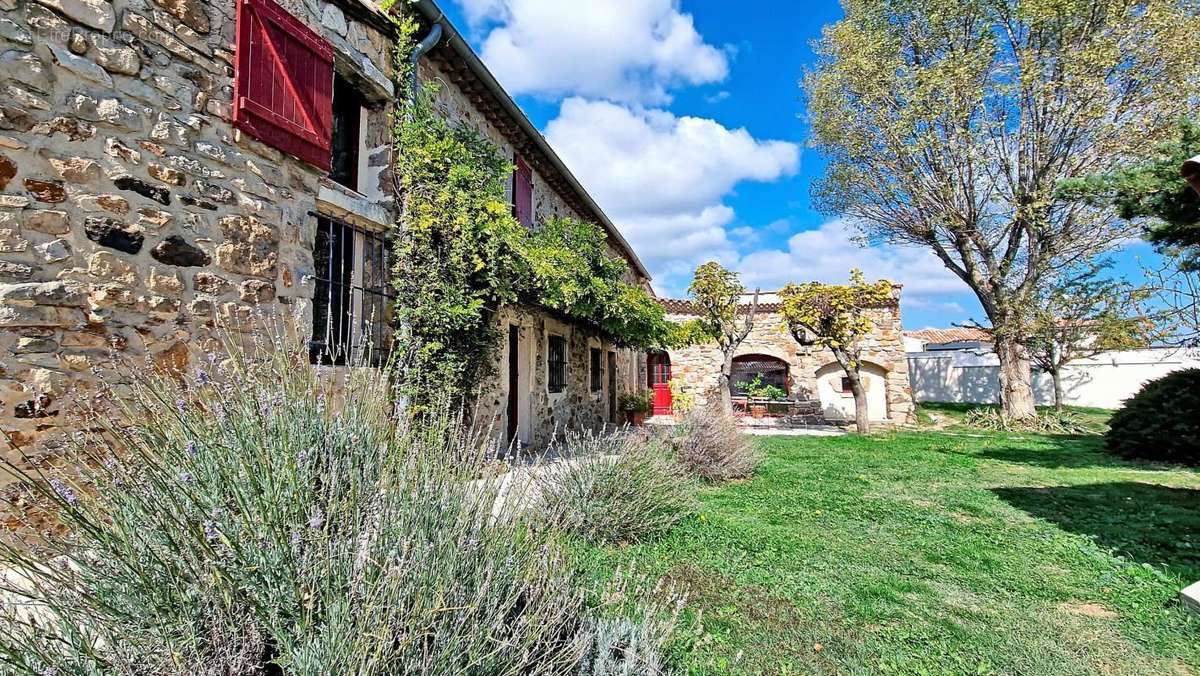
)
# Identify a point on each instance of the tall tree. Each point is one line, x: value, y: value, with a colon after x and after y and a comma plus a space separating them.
x: 837, y: 318
x: 948, y: 124
x: 717, y: 294
x: 1088, y: 314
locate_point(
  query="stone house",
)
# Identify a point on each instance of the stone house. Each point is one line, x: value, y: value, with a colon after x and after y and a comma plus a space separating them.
x: 166, y: 165
x: 810, y: 376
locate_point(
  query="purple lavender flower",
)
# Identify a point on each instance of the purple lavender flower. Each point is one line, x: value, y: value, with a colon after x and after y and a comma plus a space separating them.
x: 50, y: 671
x: 316, y: 519
x: 302, y: 456
x: 202, y: 377
x: 186, y: 477
x: 180, y: 404
x: 295, y: 538
x: 210, y: 531
x: 64, y: 492
x: 191, y: 448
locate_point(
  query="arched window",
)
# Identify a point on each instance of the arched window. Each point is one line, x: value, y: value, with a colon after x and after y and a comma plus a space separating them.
x: 747, y: 368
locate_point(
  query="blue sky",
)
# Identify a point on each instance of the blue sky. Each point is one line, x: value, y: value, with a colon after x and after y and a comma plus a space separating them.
x: 685, y: 121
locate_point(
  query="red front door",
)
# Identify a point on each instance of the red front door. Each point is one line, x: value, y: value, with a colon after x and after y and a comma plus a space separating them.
x: 660, y: 379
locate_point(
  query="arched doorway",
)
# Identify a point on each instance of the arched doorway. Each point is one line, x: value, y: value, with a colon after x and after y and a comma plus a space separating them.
x: 659, y: 372
x: 749, y: 368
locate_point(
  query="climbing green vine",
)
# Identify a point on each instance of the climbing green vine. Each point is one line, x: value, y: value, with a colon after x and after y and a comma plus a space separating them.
x: 461, y: 256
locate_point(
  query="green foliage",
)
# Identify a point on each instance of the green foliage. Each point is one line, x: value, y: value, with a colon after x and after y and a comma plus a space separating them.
x: 461, y: 255
x: 758, y: 389
x: 458, y: 253
x: 614, y: 489
x: 237, y: 522
x: 1152, y: 189
x: 1161, y: 422
x: 573, y: 272
x: 717, y: 294
x: 637, y: 402
x: 834, y: 316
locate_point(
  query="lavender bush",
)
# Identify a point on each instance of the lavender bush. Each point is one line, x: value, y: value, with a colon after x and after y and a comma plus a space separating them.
x: 240, y: 521
x: 616, y: 488
x: 710, y: 446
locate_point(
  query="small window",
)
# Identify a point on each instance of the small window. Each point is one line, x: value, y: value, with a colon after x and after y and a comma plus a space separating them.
x: 523, y: 193
x: 347, y: 135
x: 352, y: 304
x: 597, y: 376
x: 557, y: 364
x: 846, y: 385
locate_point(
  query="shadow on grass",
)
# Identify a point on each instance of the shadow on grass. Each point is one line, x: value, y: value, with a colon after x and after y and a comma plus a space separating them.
x: 1147, y: 523
x: 1063, y: 451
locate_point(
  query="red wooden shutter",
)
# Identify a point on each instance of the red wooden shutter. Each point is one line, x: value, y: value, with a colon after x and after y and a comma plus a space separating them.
x: 523, y: 193
x: 283, y: 83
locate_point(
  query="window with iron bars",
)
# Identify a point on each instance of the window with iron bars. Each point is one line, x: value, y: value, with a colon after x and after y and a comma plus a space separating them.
x: 556, y: 362
x: 597, y: 383
x: 352, y: 305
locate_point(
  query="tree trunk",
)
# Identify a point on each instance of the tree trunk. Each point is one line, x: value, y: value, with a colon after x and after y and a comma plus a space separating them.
x: 723, y: 383
x: 1016, y: 379
x: 1056, y: 374
x: 862, y: 417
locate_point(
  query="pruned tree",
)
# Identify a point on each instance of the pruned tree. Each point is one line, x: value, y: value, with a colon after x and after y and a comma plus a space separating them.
x: 717, y: 295
x: 1088, y: 314
x: 948, y: 124
x: 837, y: 317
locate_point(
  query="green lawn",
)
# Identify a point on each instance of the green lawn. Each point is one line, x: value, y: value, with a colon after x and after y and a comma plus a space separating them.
x: 938, y: 552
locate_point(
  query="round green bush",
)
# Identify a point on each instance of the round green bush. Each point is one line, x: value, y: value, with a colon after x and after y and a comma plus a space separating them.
x: 1161, y: 422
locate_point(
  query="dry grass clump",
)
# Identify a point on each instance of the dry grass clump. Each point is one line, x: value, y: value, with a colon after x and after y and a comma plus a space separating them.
x: 709, y: 445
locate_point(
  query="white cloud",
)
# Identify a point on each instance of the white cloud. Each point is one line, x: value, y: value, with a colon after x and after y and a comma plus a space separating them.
x: 622, y: 50
x: 828, y: 253
x: 662, y: 178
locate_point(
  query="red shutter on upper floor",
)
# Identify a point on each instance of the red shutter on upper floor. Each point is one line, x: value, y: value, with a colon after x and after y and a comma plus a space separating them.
x: 283, y: 83
x: 523, y: 193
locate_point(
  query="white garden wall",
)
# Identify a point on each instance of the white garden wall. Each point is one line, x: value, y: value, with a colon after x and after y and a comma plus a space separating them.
x: 1103, y: 381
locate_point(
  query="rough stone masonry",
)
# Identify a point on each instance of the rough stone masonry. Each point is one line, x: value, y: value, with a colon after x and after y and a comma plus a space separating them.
x: 131, y: 211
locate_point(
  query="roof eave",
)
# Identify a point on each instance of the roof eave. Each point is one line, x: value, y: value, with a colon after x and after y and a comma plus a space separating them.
x: 434, y: 14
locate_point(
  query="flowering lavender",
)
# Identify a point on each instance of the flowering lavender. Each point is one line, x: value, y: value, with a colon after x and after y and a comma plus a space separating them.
x: 202, y: 377
x: 316, y: 519
x: 191, y: 448
x: 180, y: 405
x: 64, y: 492
x: 210, y: 531
x: 186, y: 478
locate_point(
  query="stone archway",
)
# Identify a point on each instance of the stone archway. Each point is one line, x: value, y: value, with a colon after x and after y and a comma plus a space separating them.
x: 837, y: 402
x: 748, y: 367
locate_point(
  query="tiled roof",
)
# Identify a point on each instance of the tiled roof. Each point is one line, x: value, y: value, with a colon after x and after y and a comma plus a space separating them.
x: 950, y: 335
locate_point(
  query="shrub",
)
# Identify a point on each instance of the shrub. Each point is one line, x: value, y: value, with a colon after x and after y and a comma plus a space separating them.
x: 709, y: 445
x: 615, y: 488
x: 1045, y: 422
x: 238, y: 524
x: 1161, y: 422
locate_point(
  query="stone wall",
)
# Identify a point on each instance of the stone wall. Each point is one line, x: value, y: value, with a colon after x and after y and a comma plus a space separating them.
x: 698, y: 368
x: 131, y: 211
x: 134, y: 216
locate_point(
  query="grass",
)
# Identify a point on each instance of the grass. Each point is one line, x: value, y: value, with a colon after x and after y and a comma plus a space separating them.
x: 937, y: 552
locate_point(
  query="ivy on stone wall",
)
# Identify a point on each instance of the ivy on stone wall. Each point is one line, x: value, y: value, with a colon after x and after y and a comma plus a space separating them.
x: 461, y: 255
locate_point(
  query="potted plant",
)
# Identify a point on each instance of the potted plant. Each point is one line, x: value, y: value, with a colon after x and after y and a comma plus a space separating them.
x: 636, y: 405
x: 765, y: 394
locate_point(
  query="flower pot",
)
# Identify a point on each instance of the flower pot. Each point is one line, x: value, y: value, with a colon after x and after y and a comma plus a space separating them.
x: 758, y: 411
x: 635, y: 418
